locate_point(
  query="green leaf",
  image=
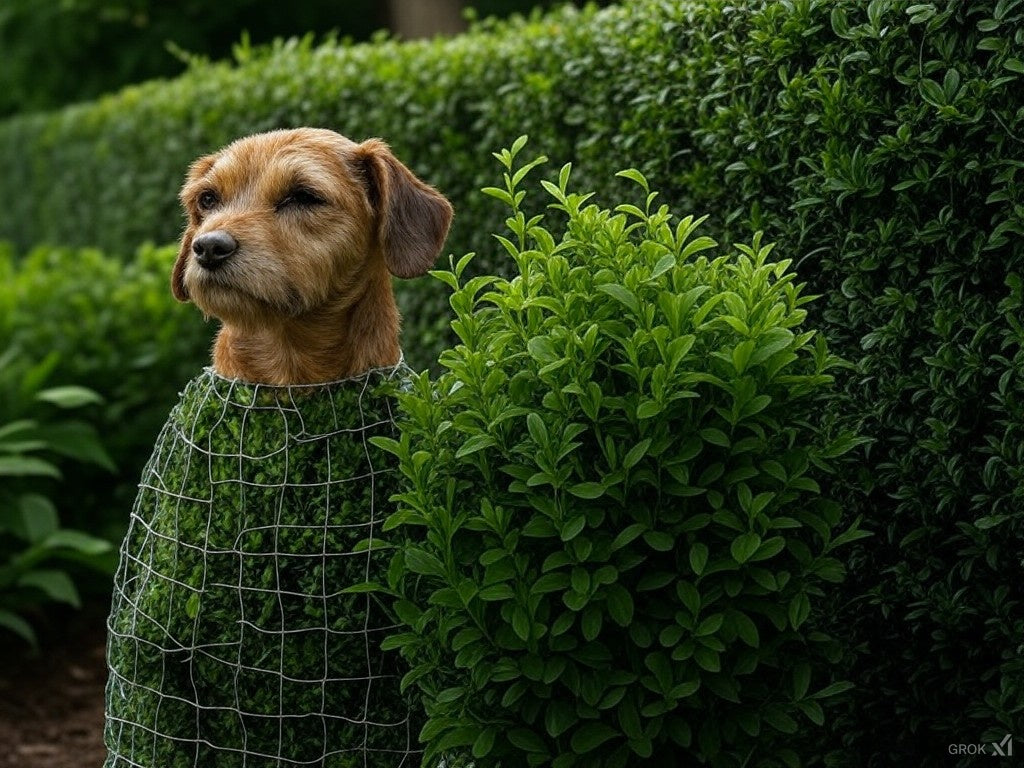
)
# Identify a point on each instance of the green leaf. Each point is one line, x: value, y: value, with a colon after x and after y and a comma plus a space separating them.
x: 528, y: 741
x: 56, y: 585
x: 590, y: 736
x: 648, y: 409
x: 77, y: 440
x: 698, y: 557
x: 27, y: 466
x: 627, y: 535
x: 587, y: 490
x: 77, y: 541
x: 801, y: 680
x: 746, y: 629
x: 538, y: 431
x: 622, y: 294
x: 744, y: 545
x: 710, y: 625
x: 635, y: 176
x: 559, y: 717
x: 832, y: 690
x: 779, y: 720
x: 636, y: 453
x: 70, y: 396
x: 192, y: 605
x: 620, y: 605
x: 484, y: 742
x: 799, y: 610
x: 542, y: 350
x: 689, y: 595
x: 707, y: 659
x: 38, y: 517
x: 18, y: 626
x: 474, y: 444
x: 420, y: 561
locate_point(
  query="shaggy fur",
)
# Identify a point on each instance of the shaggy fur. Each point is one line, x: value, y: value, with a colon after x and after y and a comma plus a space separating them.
x: 311, y: 227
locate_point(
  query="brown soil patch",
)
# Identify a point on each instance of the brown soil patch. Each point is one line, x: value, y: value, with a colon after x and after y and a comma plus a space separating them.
x: 51, y: 703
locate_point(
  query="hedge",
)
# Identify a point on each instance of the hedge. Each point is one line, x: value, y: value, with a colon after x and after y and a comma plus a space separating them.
x: 882, y: 142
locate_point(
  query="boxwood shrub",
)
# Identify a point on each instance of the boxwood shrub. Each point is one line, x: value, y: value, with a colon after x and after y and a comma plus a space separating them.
x: 616, y: 534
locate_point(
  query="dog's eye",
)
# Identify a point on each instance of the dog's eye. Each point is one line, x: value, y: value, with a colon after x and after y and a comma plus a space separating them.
x: 207, y: 200
x: 301, y: 198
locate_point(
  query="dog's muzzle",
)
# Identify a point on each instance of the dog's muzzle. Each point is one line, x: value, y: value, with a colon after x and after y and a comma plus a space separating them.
x: 213, y: 249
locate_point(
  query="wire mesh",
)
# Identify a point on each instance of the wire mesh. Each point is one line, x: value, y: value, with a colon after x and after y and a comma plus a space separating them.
x: 232, y: 638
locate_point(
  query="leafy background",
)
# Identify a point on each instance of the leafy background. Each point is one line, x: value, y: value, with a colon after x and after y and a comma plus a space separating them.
x: 880, y: 144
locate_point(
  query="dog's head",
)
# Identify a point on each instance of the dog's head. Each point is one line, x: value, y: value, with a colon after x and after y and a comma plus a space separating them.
x: 284, y: 222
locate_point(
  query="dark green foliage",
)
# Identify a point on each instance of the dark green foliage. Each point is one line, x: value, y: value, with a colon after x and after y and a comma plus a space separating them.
x: 885, y: 142
x: 612, y: 500
x: 112, y: 323
x: 110, y: 43
x: 38, y: 557
x: 236, y: 637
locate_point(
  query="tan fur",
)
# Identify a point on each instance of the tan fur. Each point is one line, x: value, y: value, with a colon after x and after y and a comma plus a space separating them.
x: 307, y: 297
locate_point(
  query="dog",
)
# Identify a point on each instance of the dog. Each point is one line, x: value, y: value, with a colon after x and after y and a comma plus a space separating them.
x: 291, y: 242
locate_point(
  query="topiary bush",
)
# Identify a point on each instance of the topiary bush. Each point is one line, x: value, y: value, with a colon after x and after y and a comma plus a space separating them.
x: 238, y: 633
x: 615, y: 534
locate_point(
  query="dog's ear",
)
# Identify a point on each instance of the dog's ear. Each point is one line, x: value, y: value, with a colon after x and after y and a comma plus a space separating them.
x: 412, y: 217
x: 178, y: 274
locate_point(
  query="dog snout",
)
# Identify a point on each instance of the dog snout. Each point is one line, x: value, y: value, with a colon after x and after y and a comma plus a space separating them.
x: 214, y: 248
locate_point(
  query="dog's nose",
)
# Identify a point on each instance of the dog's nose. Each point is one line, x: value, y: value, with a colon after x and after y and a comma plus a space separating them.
x: 214, y: 248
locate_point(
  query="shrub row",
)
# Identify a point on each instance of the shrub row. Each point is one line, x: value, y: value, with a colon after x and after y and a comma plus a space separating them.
x: 882, y: 142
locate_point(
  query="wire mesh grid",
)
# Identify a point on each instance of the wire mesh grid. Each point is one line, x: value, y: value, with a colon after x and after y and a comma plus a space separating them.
x: 232, y: 638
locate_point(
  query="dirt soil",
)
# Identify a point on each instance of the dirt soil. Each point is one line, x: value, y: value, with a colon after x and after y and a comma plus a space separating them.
x: 51, y: 703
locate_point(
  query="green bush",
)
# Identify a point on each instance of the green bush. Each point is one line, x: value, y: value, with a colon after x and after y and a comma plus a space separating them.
x: 112, y: 324
x: 617, y: 534
x: 38, y: 558
x: 234, y: 639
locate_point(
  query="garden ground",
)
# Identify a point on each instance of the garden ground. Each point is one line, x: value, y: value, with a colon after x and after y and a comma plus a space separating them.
x: 51, y: 704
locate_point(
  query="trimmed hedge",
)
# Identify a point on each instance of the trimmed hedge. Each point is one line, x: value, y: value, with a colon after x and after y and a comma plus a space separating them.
x: 883, y: 142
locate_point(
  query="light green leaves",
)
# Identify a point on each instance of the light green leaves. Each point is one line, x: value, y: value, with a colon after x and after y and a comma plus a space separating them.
x: 638, y: 396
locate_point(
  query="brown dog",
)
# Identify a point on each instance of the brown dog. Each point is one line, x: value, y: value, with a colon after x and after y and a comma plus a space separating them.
x: 292, y: 240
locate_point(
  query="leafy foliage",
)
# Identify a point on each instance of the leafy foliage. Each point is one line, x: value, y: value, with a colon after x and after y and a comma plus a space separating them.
x: 617, y: 537
x: 885, y: 142
x: 234, y: 637
x: 881, y: 141
x: 37, y: 555
x: 110, y: 322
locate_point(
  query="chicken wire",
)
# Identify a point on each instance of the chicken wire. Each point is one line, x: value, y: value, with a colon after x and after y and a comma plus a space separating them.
x: 232, y: 638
